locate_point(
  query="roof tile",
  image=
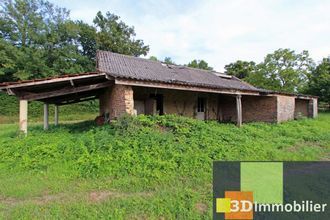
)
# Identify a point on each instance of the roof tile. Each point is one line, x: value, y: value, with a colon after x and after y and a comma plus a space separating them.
x: 123, y: 66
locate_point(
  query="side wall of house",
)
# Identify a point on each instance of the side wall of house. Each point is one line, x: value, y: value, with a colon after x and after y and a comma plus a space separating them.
x: 259, y: 108
x: 285, y: 108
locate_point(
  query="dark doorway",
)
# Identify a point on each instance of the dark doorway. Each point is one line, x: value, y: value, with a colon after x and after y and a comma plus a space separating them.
x: 201, y: 104
x: 159, y: 103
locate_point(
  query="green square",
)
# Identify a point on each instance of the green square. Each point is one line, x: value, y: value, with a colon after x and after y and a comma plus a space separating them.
x: 264, y: 179
x: 223, y: 205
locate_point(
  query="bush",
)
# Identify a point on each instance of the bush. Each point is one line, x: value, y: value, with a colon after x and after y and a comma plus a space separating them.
x: 157, y: 147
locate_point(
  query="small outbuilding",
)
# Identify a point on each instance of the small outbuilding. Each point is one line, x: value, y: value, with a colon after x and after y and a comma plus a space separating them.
x: 131, y: 85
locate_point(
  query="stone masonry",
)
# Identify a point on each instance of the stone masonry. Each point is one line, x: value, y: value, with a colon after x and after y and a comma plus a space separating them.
x: 117, y: 100
x: 121, y: 101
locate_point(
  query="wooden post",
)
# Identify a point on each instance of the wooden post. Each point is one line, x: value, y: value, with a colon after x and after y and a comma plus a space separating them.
x: 46, y: 123
x: 56, y: 115
x: 23, y: 115
x: 239, y: 110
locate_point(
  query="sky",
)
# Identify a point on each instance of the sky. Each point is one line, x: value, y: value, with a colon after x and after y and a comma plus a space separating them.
x: 218, y: 31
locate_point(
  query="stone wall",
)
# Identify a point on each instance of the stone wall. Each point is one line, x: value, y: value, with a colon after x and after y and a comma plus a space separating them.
x: 121, y: 101
x: 285, y: 108
x: 117, y: 100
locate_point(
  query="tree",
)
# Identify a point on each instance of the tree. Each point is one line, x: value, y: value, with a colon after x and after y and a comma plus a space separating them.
x: 153, y: 58
x: 168, y: 60
x: 114, y: 35
x: 319, y: 83
x: 240, y: 69
x: 43, y: 36
x: 283, y: 70
x: 38, y: 39
x: 8, y: 56
x: 200, y: 64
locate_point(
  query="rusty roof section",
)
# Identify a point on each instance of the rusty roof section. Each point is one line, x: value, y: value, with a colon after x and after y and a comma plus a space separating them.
x: 128, y: 67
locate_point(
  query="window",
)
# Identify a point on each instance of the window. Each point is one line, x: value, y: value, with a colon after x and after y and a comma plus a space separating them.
x: 201, y: 104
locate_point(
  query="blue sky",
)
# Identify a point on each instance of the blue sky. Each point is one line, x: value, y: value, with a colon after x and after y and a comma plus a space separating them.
x: 217, y: 31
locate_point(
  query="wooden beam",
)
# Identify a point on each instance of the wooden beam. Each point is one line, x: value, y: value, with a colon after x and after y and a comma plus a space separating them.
x: 23, y: 115
x: 56, y: 115
x: 239, y: 110
x: 47, y: 81
x: 65, y: 91
x: 182, y: 87
x: 70, y: 97
x: 46, y: 114
x: 76, y: 101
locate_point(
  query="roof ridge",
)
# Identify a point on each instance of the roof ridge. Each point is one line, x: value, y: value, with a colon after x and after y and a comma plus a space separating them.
x: 193, y: 68
x: 162, y: 62
x: 130, y: 56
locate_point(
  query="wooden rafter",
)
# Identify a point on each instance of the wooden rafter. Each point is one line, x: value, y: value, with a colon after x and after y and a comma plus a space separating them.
x: 65, y: 91
x: 76, y: 101
x: 54, y: 80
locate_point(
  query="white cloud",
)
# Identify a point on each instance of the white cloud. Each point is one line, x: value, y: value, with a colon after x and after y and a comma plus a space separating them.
x: 220, y: 31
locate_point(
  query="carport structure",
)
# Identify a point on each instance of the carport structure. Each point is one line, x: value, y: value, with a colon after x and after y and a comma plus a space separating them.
x: 62, y: 90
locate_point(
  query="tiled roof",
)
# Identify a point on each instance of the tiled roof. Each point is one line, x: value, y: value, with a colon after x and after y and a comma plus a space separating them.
x: 128, y: 67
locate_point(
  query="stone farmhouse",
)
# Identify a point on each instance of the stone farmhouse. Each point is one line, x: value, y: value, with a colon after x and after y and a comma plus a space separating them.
x: 131, y: 85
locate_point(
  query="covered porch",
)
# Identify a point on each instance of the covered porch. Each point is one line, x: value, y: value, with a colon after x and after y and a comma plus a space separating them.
x: 57, y: 92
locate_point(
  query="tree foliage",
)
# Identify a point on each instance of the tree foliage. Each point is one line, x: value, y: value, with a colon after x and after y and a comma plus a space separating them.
x: 199, y: 64
x: 154, y: 58
x: 168, y: 60
x: 283, y: 70
x: 38, y: 39
x: 319, y: 83
x: 116, y: 36
x: 241, y: 69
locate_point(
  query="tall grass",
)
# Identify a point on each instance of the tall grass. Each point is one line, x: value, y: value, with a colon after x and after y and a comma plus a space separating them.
x: 169, y: 156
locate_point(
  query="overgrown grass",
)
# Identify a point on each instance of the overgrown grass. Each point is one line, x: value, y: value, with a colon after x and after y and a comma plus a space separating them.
x: 143, y: 167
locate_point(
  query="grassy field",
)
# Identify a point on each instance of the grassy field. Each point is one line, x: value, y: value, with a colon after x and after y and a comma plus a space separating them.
x: 138, y: 168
